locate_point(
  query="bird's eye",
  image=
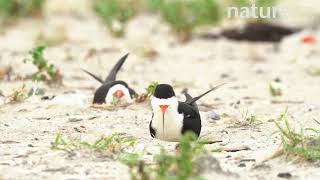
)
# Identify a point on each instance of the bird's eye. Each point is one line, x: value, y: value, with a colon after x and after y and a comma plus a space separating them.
x: 188, y: 116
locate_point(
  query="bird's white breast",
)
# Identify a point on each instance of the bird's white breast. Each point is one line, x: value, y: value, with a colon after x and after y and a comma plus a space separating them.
x: 126, y: 97
x: 169, y: 129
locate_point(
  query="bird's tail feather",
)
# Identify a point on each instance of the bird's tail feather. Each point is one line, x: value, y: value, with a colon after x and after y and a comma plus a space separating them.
x: 94, y: 76
x: 190, y: 101
x: 114, y: 71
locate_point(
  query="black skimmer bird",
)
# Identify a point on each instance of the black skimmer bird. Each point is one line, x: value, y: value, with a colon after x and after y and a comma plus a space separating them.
x: 113, y: 91
x: 172, y: 118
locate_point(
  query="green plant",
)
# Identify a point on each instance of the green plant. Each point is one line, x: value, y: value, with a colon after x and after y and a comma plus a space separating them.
x: 297, y: 143
x: 240, y: 3
x: 313, y: 71
x: 258, y: 3
x: 188, y: 152
x: 115, y: 100
x: 137, y: 168
x: 181, y: 165
x: 275, y: 89
x: 18, y: 95
x: 253, y: 120
x: 114, y: 143
x: 265, y: 3
x: 283, y: 115
x: 19, y: 8
x: 149, y: 92
x: 247, y: 119
x: 115, y: 13
x: 154, y: 5
x: 46, y: 72
x: 22, y: 93
x: 58, y: 141
x: 185, y: 16
x: 151, y: 88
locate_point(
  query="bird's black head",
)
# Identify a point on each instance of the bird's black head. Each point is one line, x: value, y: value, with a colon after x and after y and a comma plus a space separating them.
x: 164, y: 91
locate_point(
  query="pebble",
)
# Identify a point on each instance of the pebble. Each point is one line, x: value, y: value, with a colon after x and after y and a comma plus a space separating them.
x: 75, y: 119
x: 214, y: 116
x: 224, y: 75
x: 278, y: 80
x: 284, y: 175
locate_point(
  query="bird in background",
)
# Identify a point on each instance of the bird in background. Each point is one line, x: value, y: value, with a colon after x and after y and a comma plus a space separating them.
x: 113, y: 91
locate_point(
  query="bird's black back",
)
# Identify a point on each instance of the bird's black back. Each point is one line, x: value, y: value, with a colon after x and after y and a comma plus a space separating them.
x: 152, y: 131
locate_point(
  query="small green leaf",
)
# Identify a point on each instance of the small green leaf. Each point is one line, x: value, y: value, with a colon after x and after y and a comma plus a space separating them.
x: 46, y: 71
x: 151, y: 88
x: 130, y: 159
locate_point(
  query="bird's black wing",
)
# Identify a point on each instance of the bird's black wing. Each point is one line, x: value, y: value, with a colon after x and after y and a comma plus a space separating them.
x: 152, y: 131
x: 94, y: 76
x: 114, y: 71
x: 101, y: 93
x: 132, y: 92
x: 189, y: 98
x: 191, y: 120
x: 193, y: 100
